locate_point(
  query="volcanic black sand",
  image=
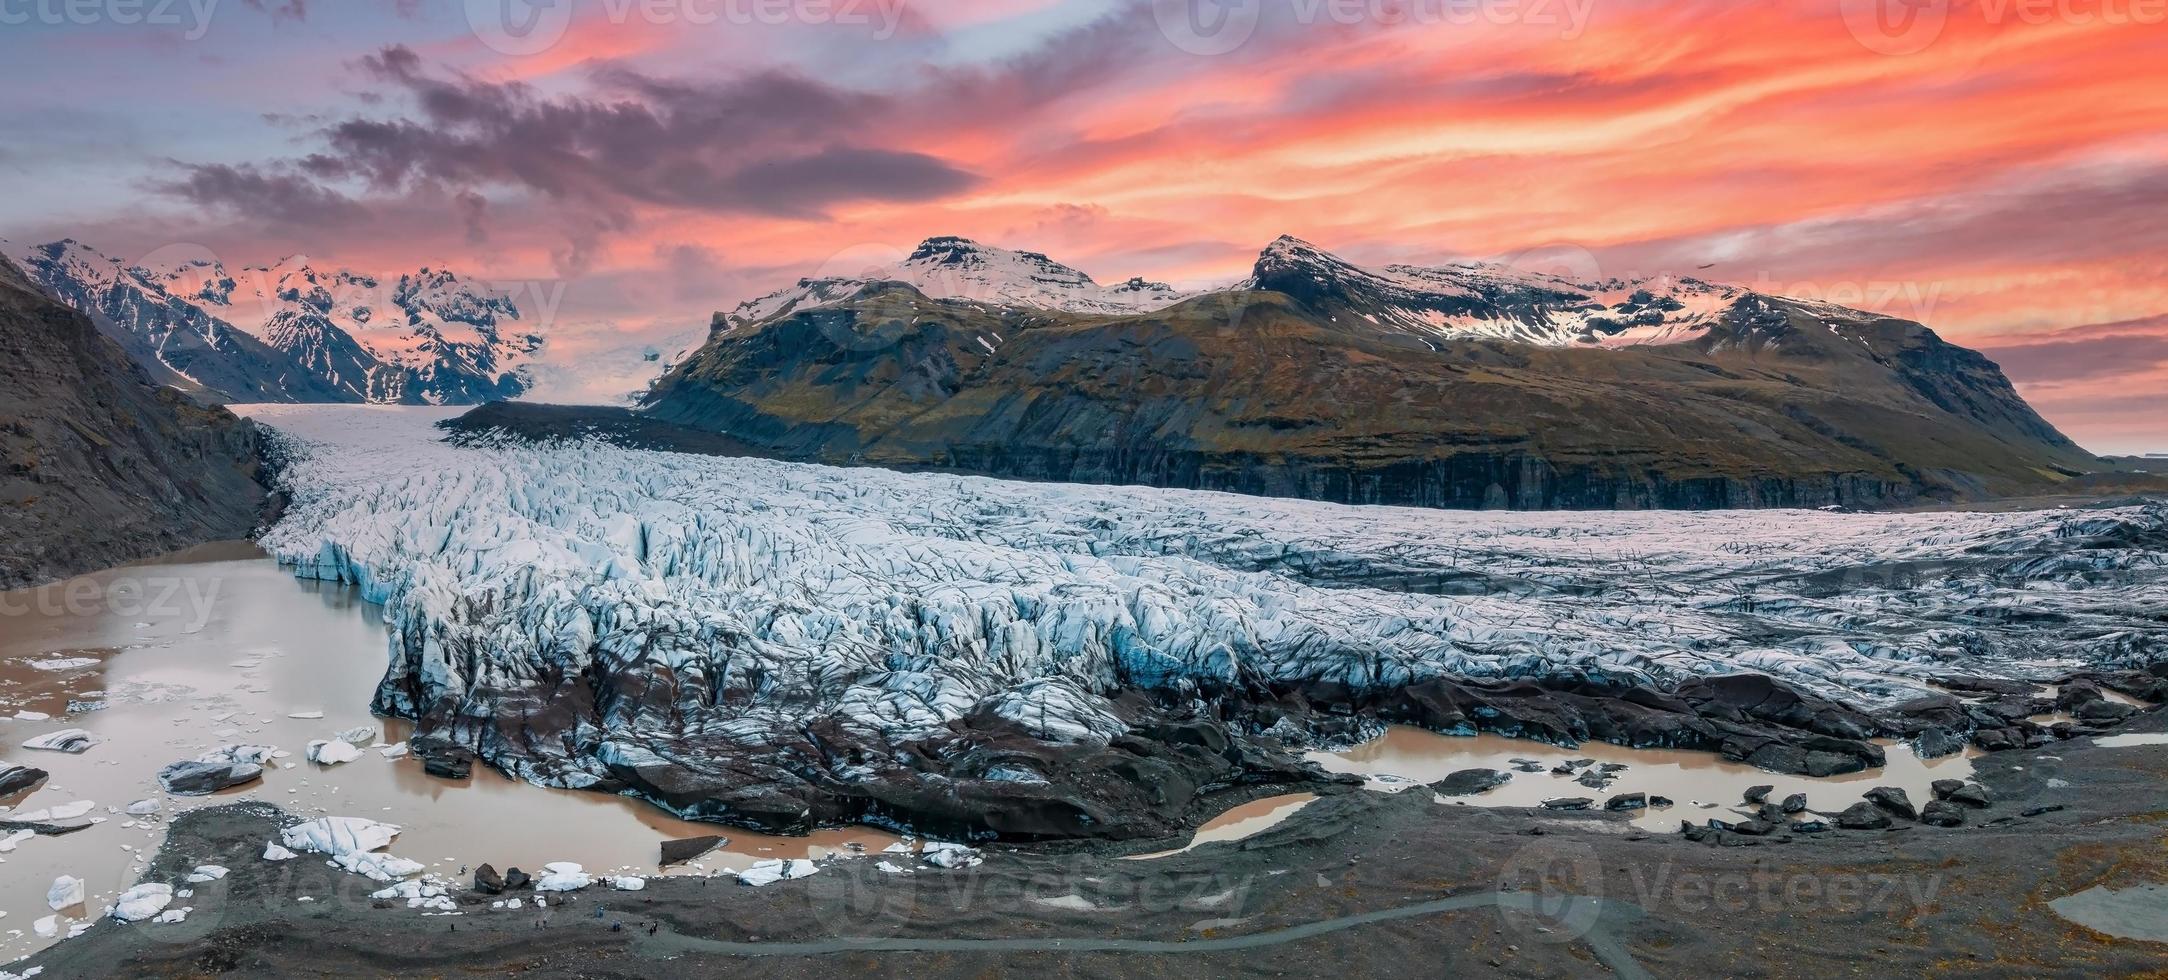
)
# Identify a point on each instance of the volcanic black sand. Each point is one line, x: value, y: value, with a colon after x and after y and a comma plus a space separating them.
x: 1355, y: 884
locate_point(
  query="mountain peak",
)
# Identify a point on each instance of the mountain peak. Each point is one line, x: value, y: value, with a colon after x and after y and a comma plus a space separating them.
x: 957, y: 268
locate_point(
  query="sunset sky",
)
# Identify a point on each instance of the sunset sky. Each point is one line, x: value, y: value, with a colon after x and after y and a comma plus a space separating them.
x: 1998, y: 170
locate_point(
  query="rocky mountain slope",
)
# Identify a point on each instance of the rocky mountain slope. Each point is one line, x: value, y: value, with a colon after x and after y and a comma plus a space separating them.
x: 101, y: 465
x: 1460, y: 386
x: 294, y: 333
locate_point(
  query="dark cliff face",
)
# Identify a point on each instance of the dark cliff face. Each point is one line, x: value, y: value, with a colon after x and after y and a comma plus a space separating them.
x: 101, y: 466
x: 1260, y: 391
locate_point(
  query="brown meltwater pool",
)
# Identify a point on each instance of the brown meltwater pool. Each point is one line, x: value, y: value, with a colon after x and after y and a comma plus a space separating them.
x: 1409, y: 757
x: 1247, y: 820
x: 217, y: 646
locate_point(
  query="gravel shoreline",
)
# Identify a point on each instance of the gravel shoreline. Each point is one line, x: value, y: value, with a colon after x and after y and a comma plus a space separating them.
x: 1340, y: 887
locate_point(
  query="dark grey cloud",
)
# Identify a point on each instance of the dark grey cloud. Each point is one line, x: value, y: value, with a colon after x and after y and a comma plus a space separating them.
x: 282, y: 199
x: 280, y: 10
x: 770, y: 143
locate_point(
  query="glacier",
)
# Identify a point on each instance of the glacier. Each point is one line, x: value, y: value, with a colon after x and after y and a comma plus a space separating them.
x: 685, y: 627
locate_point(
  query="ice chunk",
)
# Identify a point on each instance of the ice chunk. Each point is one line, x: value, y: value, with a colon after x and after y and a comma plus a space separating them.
x: 67, y: 892
x: 54, y: 814
x: 339, y: 835
x: 628, y: 883
x: 376, y: 866
x: 273, y: 852
x: 562, y: 876
x: 773, y: 870
x: 71, y: 740
x: 206, y: 872
x: 142, y: 902
x: 332, y: 753
x: 951, y: 856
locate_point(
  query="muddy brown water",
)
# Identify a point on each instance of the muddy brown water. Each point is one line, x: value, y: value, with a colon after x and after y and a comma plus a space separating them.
x: 219, y: 646
x: 1701, y: 785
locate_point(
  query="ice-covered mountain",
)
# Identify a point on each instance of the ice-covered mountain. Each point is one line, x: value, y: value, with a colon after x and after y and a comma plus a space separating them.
x: 292, y: 332
x: 961, y: 269
x: 1477, y: 300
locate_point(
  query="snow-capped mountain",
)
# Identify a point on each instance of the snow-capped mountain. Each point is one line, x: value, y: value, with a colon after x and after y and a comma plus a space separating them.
x: 959, y: 268
x: 292, y: 332
x: 1478, y: 300
x: 177, y: 341
x: 429, y: 337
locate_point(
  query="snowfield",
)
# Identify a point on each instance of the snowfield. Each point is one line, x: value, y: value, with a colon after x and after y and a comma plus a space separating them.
x: 775, y: 594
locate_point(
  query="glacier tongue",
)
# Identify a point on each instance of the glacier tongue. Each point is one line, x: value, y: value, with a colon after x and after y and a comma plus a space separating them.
x: 699, y: 602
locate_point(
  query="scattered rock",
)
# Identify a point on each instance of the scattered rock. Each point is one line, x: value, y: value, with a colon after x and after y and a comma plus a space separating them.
x: 1594, y: 779
x: 1758, y: 794
x: 515, y: 879
x: 2043, y: 810
x: 1569, y: 803
x: 1469, y: 782
x: 15, y: 779
x: 1893, y: 800
x: 1942, y: 813
x: 1864, y: 816
x: 1942, y: 788
x: 488, y: 881
x: 446, y: 762
x: 1627, y: 801
x: 1755, y: 827
x: 1971, y: 794
x: 1795, y: 803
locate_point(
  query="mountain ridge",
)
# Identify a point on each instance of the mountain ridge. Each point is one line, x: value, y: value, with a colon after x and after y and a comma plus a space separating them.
x: 289, y: 332
x: 1459, y: 386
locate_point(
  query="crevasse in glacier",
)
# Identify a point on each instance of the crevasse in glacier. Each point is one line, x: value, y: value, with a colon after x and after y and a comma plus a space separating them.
x: 755, y: 597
